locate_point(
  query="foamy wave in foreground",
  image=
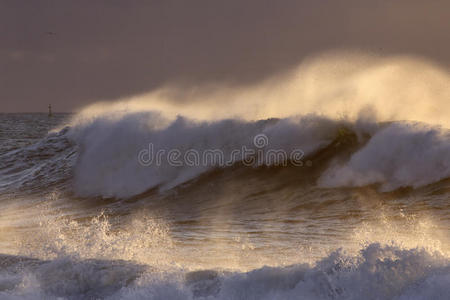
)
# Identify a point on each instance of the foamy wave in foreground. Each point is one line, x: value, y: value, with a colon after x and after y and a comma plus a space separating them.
x: 70, y: 260
x: 137, y: 257
x: 377, y: 272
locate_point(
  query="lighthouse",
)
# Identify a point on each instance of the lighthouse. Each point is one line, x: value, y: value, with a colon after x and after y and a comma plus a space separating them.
x: 50, y: 111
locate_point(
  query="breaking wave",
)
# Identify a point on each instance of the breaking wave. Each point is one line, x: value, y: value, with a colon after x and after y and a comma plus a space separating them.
x: 101, y: 157
x: 329, y: 99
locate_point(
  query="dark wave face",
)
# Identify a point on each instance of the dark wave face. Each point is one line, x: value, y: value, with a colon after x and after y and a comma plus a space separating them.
x: 306, y: 207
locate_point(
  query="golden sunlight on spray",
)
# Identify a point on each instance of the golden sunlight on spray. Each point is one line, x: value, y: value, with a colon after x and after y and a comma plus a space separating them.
x: 336, y: 85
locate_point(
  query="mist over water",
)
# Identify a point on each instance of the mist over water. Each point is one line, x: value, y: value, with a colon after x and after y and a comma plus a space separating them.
x: 338, y: 85
x: 364, y: 214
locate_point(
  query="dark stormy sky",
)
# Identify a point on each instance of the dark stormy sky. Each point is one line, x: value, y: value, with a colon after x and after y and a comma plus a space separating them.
x: 71, y: 53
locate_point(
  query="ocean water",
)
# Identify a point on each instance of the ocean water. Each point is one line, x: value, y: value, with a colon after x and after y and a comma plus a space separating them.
x: 361, y: 211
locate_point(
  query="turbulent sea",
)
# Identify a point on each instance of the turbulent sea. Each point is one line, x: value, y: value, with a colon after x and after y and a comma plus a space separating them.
x: 364, y: 213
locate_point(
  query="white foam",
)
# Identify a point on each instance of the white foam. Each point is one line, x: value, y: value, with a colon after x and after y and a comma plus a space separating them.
x: 377, y: 272
x: 402, y: 154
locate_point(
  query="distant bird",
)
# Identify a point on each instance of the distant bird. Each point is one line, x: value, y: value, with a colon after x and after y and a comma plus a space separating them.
x: 50, y: 33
